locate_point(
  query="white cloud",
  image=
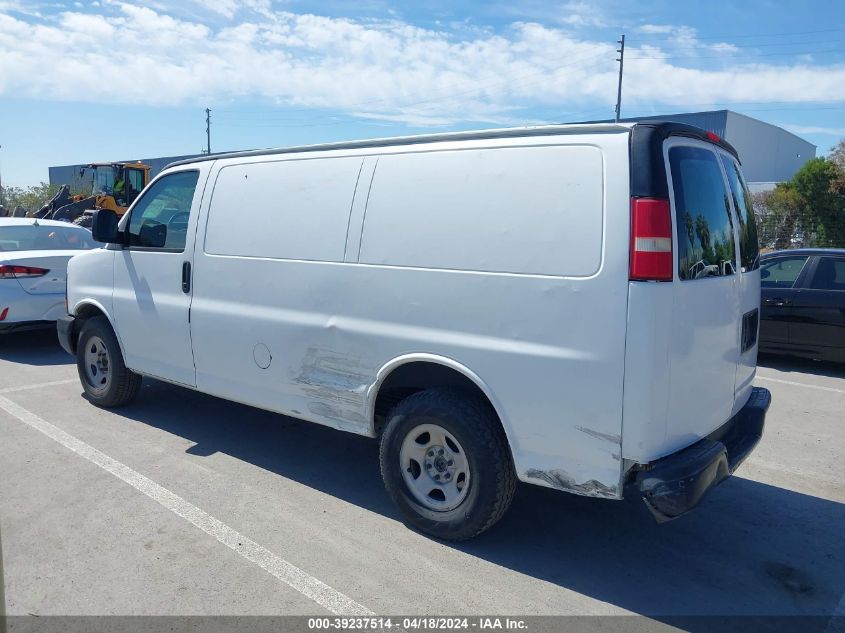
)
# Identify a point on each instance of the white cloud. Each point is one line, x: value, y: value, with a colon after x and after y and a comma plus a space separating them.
x: 683, y: 39
x: 574, y: 13
x: 582, y: 14
x: 228, y: 8
x: 655, y: 28
x: 13, y: 6
x: 388, y: 70
x: 814, y: 129
x: 723, y: 47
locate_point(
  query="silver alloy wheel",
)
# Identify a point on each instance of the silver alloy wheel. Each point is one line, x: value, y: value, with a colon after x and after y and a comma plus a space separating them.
x: 435, y: 467
x: 97, y: 365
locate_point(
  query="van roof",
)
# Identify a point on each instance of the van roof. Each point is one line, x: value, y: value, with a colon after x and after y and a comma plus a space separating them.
x: 663, y: 128
x: 515, y: 132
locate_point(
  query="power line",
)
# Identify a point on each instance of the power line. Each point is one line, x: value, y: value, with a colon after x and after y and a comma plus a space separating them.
x: 798, y: 109
x: 637, y: 108
x: 738, y: 36
x: 712, y: 103
x: 693, y: 46
x: 243, y: 118
x: 545, y: 73
x: 727, y: 54
x: 260, y: 125
x: 263, y: 119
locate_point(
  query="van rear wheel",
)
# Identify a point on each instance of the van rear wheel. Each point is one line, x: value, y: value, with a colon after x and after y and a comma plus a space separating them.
x: 446, y: 464
x: 105, y: 378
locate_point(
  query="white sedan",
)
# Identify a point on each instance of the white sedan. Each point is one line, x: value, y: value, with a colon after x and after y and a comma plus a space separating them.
x: 33, y: 270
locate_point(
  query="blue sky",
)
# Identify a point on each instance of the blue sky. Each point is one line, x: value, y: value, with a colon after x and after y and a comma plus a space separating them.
x: 106, y: 80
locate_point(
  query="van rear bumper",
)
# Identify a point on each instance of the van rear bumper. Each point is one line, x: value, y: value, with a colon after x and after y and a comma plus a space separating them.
x: 675, y: 484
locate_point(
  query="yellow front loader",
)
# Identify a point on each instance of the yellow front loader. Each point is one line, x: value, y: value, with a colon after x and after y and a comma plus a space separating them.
x: 114, y: 186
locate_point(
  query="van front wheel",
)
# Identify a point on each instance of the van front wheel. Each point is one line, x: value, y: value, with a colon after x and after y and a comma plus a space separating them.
x: 104, y: 377
x: 446, y: 464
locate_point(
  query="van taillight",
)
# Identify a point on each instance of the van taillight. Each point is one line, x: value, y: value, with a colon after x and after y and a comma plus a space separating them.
x: 10, y: 272
x: 651, y: 240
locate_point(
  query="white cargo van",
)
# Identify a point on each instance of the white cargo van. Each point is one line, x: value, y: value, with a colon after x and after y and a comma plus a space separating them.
x: 570, y: 306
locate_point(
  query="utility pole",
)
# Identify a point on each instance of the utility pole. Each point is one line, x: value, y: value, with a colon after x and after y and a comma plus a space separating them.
x: 621, y: 60
x: 208, y: 129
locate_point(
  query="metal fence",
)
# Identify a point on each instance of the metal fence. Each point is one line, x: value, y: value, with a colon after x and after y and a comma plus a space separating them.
x: 795, y: 229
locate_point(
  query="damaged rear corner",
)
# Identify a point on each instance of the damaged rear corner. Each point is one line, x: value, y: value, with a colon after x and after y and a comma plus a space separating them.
x: 675, y: 484
x: 597, y: 472
x: 561, y: 480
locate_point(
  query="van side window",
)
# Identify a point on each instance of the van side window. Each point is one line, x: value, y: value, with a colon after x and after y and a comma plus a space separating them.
x: 706, y: 246
x: 160, y: 218
x: 749, y: 248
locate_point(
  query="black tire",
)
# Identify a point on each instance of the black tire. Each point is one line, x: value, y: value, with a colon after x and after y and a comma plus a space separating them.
x: 492, y: 480
x: 122, y: 384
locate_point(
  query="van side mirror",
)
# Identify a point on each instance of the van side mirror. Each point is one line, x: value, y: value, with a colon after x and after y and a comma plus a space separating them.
x: 104, y: 227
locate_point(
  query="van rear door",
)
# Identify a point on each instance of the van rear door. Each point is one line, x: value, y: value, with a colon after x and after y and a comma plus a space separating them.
x: 707, y: 309
x: 749, y: 278
x: 694, y: 290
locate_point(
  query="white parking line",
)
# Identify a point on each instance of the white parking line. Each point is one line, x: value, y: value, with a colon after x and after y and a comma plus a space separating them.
x: 800, y: 384
x: 288, y: 573
x: 39, y: 385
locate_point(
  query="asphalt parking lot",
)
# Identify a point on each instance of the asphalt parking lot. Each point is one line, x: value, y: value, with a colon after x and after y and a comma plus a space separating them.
x: 185, y: 504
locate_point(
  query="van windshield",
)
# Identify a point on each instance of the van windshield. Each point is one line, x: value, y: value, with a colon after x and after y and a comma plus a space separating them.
x: 706, y: 246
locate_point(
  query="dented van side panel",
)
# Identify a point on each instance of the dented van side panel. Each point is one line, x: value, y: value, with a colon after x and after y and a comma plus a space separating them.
x: 313, y: 338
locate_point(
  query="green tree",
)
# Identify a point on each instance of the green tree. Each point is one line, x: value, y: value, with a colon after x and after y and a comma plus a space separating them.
x: 837, y: 157
x: 30, y: 198
x: 777, y: 213
x: 821, y: 200
x: 809, y: 210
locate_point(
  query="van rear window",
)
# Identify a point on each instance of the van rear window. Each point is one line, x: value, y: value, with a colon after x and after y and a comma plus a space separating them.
x: 749, y: 247
x: 706, y: 246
